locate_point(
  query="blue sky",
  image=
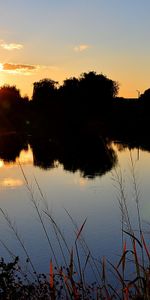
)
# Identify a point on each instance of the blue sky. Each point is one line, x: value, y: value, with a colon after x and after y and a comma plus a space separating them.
x: 63, y: 38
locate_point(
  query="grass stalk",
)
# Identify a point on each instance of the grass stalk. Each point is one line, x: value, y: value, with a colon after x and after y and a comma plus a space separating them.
x: 14, y: 230
x: 91, y: 260
x: 137, y: 200
x: 34, y: 201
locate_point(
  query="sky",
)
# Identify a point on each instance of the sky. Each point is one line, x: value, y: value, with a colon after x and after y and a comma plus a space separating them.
x: 58, y: 39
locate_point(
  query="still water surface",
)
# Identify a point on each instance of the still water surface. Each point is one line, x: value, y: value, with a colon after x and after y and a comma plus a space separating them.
x: 94, y: 199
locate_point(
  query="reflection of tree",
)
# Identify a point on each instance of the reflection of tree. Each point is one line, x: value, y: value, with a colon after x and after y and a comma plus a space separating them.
x: 90, y: 155
x: 45, y: 152
x: 87, y: 154
x: 11, y: 146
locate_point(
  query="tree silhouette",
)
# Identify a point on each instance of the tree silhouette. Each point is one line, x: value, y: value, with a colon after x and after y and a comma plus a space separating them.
x: 70, y: 87
x: 98, y: 84
x: 145, y: 98
x: 13, y: 108
x: 88, y: 94
x: 9, y: 97
x: 89, y: 84
x: 44, y: 90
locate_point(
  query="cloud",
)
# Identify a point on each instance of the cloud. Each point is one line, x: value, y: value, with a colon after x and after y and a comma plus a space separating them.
x: 18, y: 68
x: 11, y: 46
x: 23, y: 69
x: 11, y: 67
x: 81, y: 48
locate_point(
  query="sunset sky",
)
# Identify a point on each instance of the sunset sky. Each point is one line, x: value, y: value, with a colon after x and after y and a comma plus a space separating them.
x: 58, y: 39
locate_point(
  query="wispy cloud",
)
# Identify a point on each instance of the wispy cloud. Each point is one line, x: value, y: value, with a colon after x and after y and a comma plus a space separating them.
x: 18, y: 68
x: 26, y: 69
x: 81, y: 48
x: 11, y: 46
x: 8, y: 66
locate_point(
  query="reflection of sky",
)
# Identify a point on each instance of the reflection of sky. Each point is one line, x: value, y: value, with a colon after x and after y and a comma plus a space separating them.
x: 25, y: 157
x: 95, y: 200
x: 11, y: 183
x: 7, y: 176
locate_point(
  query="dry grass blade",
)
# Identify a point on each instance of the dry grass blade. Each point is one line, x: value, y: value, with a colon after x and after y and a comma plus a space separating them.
x: 137, y: 198
x: 116, y: 295
x: 41, y: 193
x: 51, y: 281
x: 80, y: 230
x: 18, y: 237
x: 133, y: 237
x: 104, y: 269
x: 87, y: 259
x: 39, y: 214
x: 12, y: 255
x: 91, y: 260
x: 67, y: 286
x: 136, y: 258
x: 145, y: 247
x: 122, y: 260
x: 118, y: 273
x: 23, y: 173
x: 71, y: 264
x: 58, y: 229
x: 126, y: 293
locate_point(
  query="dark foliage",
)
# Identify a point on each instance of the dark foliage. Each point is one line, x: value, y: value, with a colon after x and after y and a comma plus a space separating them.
x: 145, y: 99
x: 43, y: 91
x: 13, y: 108
x: 87, y: 95
x: 16, y: 285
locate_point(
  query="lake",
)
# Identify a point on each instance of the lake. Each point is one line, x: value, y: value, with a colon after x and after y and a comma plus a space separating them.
x: 68, y: 189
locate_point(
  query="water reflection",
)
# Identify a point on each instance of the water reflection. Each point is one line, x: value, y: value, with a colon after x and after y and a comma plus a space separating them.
x: 11, y: 183
x: 11, y: 146
x: 1, y: 163
x: 25, y: 157
x: 88, y: 154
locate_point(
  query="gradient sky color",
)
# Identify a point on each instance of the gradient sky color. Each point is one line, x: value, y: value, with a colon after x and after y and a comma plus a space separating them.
x: 58, y: 39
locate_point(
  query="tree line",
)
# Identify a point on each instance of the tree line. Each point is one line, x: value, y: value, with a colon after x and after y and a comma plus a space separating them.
x: 89, y: 96
x: 81, y: 90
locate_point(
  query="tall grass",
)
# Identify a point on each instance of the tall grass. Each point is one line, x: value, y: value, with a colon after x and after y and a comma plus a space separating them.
x: 71, y: 279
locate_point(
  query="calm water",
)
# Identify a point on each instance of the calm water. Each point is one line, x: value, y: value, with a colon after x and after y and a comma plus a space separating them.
x: 94, y: 199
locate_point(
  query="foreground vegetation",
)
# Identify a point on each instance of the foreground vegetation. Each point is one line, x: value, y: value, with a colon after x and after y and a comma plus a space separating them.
x: 129, y: 278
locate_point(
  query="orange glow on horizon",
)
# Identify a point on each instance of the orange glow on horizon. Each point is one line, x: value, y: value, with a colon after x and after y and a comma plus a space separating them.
x: 23, y: 79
